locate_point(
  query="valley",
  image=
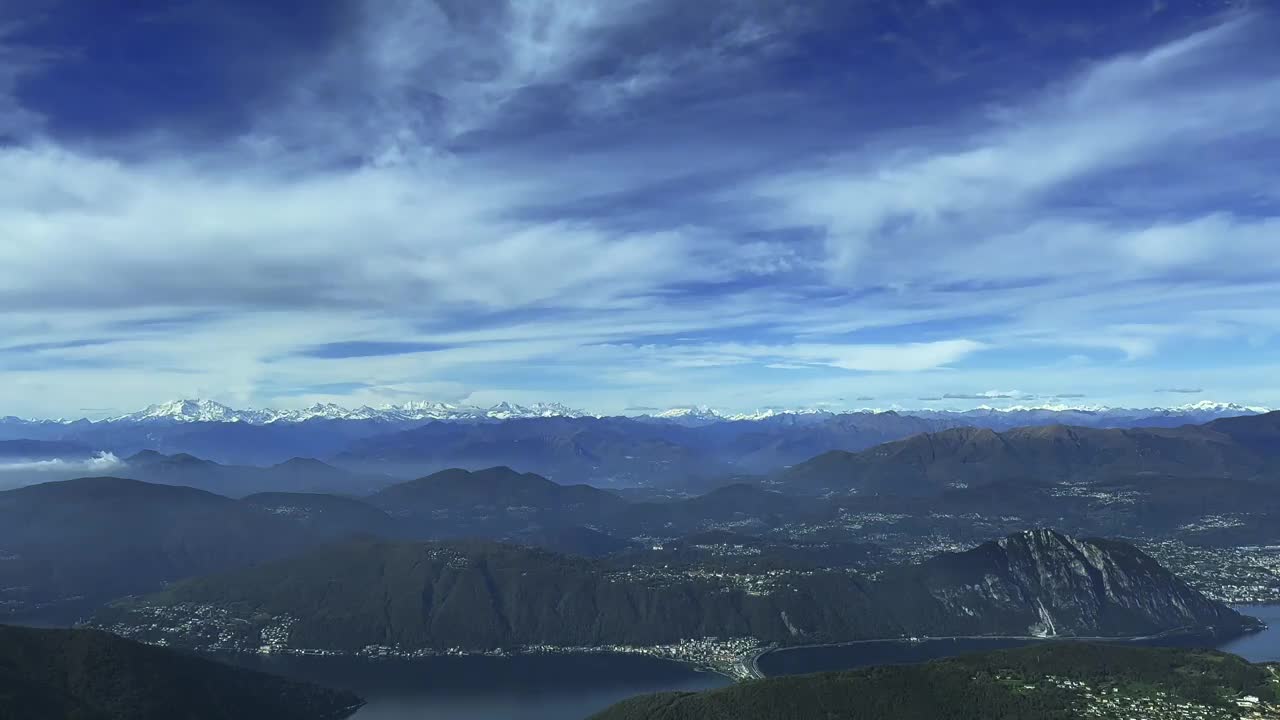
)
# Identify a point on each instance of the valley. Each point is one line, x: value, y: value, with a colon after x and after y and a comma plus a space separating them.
x: 841, y: 551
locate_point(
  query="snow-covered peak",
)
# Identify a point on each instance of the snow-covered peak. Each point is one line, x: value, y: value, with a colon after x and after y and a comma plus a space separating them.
x: 1212, y: 406
x: 208, y: 411
x: 775, y: 412
x: 1203, y: 406
x: 191, y: 411
x: 692, y: 412
x: 547, y: 410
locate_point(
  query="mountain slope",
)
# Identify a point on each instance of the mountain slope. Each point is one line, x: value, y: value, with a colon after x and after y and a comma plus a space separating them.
x: 106, y: 537
x: 483, y: 596
x: 1052, y: 682
x: 90, y: 675
x: 601, y: 451
x: 931, y: 462
x: 295, y: 475
x: 1052, y: 585
x: 330, y: 516
x: 492, y: 502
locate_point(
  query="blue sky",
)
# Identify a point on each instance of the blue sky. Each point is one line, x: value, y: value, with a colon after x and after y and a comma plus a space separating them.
x: 639, y: 203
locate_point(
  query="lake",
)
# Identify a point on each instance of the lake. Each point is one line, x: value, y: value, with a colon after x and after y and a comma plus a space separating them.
x: 527, y: 687
x: 1263, y: 646
x: 1258, y: 647
x: 572, y: 687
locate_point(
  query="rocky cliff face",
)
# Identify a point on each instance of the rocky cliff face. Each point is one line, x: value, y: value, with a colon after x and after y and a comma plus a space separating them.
x: 1055, y: 585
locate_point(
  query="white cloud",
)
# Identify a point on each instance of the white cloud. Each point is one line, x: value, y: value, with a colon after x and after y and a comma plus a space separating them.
x: 905, y: 357
x: 347, y: 213
x: 993, y: 179
x: 101, y: 462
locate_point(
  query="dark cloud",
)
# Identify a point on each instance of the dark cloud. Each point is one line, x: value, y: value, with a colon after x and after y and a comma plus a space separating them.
x: 1180, y: 390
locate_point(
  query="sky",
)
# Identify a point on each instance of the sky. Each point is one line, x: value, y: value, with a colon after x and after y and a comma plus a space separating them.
x: 624, y: 205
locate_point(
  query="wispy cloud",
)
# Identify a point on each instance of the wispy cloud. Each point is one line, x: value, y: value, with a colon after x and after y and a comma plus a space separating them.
x: 648, y: 203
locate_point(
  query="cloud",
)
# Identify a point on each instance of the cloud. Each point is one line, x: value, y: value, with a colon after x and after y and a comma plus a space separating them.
x: 988, y: 395
x: 1180, y: 390
x: 99, y: 463
x: 596, y: 202
x: 906, y: 357
x: 1003, y: 201
x: 358, y: 348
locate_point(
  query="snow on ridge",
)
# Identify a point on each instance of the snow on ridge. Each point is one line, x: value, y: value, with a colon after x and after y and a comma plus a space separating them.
x: 194, y: 411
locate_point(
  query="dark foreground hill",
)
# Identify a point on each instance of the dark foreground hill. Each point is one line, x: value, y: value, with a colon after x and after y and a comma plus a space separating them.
x: 484, y: 596
x: 91, y: 675
x: 95, y: 539
x: 1052, y: 682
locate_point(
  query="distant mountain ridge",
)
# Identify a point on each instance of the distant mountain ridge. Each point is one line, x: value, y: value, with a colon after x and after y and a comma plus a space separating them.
x: 208, y: 411
x: 191, y: 411
x: 1243, y: 448
x: 688, y: 449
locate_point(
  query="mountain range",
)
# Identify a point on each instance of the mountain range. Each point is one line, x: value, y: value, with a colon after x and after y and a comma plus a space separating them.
x: 208, y: 411
x: 1244, y: 448
x: 481, y: 596
x: 92, y: 539
x: 692, y: 450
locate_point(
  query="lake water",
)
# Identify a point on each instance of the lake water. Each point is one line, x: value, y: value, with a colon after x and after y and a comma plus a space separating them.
x: 1258, y: 647
x: 573, y: 687
x: 539, y: 687
x: 1263, y: 646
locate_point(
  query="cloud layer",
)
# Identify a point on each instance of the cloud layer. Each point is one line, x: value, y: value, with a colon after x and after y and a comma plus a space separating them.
x: 638, y: 203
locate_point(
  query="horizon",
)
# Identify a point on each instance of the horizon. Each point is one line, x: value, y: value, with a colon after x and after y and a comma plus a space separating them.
x: 634, y: 206
x: 620, y: 359
x: 177, y: 407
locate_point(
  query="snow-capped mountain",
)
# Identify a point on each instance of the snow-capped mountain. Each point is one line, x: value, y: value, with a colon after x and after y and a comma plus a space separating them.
x: 208, y: 411
x: 693, y: 414
x: 1099, y: 416
x: 194, y: 411
x: 983, y: 415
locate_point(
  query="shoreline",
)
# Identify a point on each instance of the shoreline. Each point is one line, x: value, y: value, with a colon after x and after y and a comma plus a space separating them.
x: 736, y: 659
x: 1167, y: 634
x: 742, y: 668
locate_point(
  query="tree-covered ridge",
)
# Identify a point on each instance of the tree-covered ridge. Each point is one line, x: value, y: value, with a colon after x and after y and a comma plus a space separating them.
x: 91, y: 675
x: 1049, y: 682
x: 483, y: 596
